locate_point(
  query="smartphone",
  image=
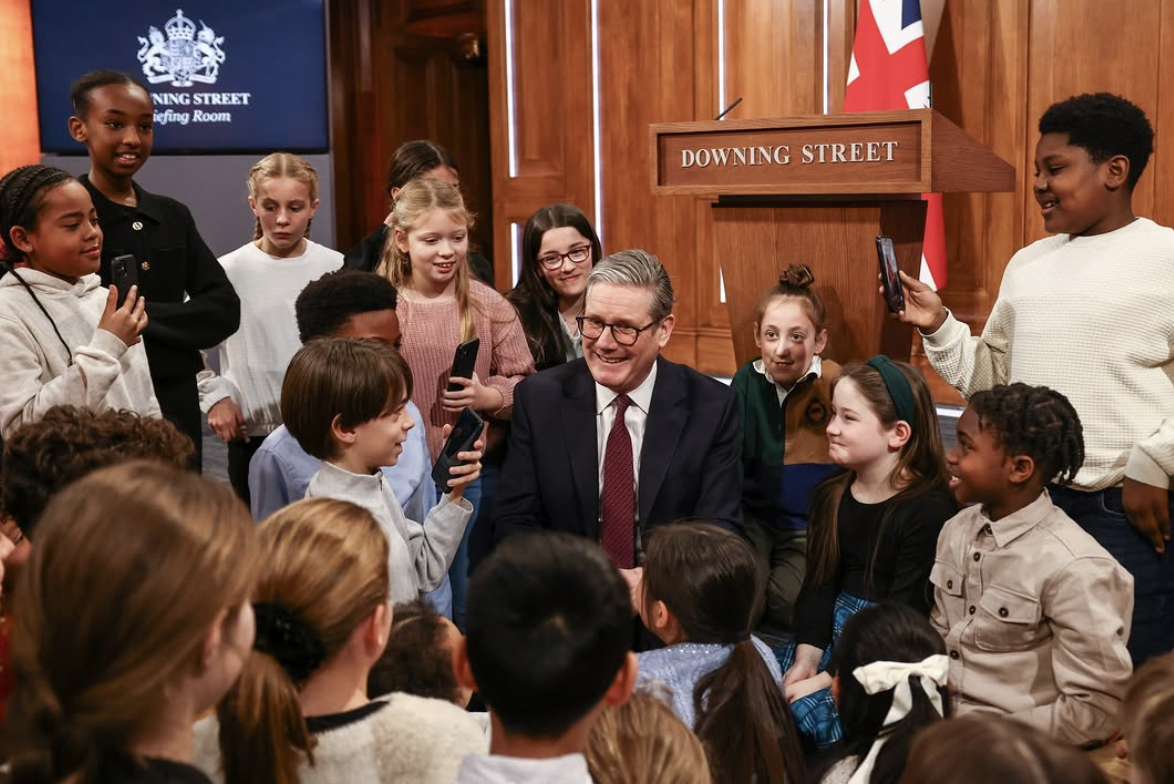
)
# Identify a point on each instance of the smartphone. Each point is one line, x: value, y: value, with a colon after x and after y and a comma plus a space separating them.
x: 890, y: 277
x: 464, y: 361
x: 464, y: 434
x: 123, y: 274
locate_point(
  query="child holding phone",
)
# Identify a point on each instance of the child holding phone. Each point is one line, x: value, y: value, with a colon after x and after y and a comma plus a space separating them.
x: 1086, y: 312
x: 268, y: 273
x: 344, y: 400
x: 63, y: 339
x: 426, y: 260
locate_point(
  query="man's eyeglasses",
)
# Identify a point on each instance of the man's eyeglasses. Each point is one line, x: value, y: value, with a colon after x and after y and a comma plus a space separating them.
x: 623, y: 334
x: 553, y: 261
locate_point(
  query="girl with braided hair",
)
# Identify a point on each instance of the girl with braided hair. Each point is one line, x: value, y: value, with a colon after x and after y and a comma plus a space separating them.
x: 64, y: 338
x: 300, y: 713
x: 1035, y: 613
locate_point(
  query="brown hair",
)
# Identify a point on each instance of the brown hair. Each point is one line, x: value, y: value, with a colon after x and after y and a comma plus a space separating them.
x: 282, y: 164
x: 709, y: 579
x: 418, y: 657
x: 415, y: 200
x: 133, y: 566
x: 325, y: 561
x: 795, y: 282
x: 414, y: 159
x: 69, y: 442
x: 985, y: 747
x: 353, y: 379
x: 533, y: 297
x: 643, y: 742
x: 1146, y: 718
x: 921, y: 466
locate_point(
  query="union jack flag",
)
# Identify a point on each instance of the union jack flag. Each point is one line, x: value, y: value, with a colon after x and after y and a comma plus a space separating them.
x: 889, y: 70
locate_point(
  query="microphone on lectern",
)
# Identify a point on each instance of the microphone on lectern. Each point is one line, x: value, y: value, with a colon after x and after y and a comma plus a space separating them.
x: 729, y: 108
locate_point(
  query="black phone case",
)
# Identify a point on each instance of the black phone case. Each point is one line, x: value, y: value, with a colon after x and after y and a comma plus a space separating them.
x: 464, y: 434
x: 464, y: 361
x: 894, y: 292
x: 123, y: 274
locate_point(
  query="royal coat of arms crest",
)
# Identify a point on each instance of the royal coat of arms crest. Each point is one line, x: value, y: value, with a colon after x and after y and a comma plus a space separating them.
x: 184, y: 56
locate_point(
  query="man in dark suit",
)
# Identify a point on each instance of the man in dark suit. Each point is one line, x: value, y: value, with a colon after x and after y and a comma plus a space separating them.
x: 674, y: 453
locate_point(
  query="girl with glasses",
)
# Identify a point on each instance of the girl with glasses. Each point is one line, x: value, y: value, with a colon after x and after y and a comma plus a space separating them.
x: 559, y: 248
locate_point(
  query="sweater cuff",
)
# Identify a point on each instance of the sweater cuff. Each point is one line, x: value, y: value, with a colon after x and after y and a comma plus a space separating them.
x: 108, y: 343
x: 1143, y: 468
x: 945, y: 334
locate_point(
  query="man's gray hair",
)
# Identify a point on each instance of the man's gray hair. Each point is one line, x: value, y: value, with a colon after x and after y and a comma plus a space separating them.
x: 639, y: 269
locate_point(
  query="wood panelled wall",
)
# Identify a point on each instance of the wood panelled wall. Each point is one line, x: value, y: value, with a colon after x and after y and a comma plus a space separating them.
x: 398, y: 73
x: 995, y: 67
x: 20, y: 142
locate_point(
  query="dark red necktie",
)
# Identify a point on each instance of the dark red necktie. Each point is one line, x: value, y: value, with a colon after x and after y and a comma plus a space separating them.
x: 618, y: 500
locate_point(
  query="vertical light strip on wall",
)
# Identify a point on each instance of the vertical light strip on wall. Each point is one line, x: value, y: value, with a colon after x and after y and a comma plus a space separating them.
x: 511, y: 133
x: 721, y: 107
x: 515, y: 252
x: 595, y: 120
x: 827, y: 92
x: 721, y: 56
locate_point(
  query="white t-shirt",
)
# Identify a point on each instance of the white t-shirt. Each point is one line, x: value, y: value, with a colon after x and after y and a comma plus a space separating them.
x: 254, y: 359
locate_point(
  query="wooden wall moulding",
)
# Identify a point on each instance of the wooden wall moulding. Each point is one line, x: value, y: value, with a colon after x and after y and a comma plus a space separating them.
x: 443, y: 18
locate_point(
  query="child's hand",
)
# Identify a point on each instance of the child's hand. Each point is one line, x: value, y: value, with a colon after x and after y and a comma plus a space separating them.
x: 635, y: 580
x: 806, y: 664
x: 1148, y: 510
x: 468, y: 471
x: 226, y: 420
x: 472, y: 394
x: 800, y: 689
x: 923, y: 306
x: 129, y: 321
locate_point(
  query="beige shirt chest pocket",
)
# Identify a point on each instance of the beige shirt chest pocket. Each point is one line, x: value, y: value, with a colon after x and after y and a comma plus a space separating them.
x: 947, y: 602
x: 1007, y: 621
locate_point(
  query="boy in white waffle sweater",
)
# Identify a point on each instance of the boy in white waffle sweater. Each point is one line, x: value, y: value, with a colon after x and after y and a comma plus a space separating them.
x: 1089, y: 312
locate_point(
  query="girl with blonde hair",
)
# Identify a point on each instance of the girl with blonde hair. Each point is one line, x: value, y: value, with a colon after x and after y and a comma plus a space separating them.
x: 133, y: 619
x: 268, y: 273
x: 426, y: 259
x: 300, y: 711
x: 644, y: 742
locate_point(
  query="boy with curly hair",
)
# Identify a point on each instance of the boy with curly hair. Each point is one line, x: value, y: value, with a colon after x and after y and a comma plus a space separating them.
x: 1034, y: 612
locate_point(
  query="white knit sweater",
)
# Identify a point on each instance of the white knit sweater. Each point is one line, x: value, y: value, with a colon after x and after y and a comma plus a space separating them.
x: 35, y: 369
x: 413, y: 739
x: 254, y: 359
x: 1093, y: 318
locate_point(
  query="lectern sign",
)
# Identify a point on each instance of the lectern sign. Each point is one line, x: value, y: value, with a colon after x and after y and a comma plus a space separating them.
x: 869, y: 153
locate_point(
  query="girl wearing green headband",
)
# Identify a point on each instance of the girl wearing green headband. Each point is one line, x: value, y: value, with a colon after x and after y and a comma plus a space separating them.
x: 873, y: 526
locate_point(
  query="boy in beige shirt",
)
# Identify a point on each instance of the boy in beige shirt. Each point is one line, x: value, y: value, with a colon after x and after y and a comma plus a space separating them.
x: 1035, y: 614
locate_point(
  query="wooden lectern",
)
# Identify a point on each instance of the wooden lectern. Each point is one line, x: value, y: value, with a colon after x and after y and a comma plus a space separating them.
x: 818, y: 189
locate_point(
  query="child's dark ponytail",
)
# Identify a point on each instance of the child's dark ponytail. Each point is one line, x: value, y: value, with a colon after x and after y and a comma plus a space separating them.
x: 895, y: 634
x: 709, y: 580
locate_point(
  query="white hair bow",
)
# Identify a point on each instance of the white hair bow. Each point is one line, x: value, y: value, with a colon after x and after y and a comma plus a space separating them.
x: 885, y: 675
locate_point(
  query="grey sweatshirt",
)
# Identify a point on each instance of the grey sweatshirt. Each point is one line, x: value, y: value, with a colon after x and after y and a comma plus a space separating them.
x: 419, y: 555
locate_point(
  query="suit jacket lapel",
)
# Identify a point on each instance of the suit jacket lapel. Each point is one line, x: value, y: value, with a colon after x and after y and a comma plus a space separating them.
x: 578, y: 418
x: 666, y: 422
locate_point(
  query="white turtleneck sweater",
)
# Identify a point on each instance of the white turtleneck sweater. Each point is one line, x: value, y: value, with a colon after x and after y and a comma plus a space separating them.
x: 97, y: 371
x: 1092, y: 318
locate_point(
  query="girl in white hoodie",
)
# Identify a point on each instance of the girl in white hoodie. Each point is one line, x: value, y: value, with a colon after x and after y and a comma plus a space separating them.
x: 63, y: 338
